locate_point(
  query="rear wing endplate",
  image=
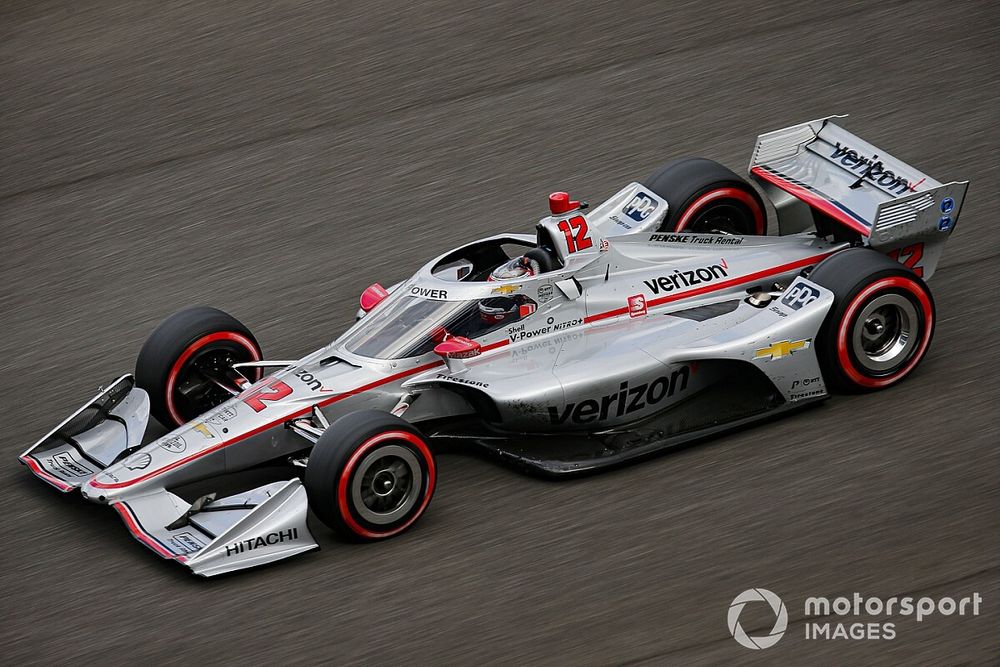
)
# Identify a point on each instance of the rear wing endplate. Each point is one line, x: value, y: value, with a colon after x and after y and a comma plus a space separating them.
x: 890, y: 204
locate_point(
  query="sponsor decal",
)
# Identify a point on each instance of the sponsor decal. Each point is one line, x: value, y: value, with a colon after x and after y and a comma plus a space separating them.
x: 201, y: 428
x: 461, y: 380
x: 636, y: 305
x: 605, y: 245
x: 687, y: 278
x: 429, y: 293
x: 520, y: 332
x: 65, y: 463
x: 175, y: 444
x: 627, y: 399
x: 186, y: 543
x: 799, y: 295
x: 805, y: 382
x: 311, y: 380
x: 506, y: 289
x: 222, y: 416
x: 273, y: 391
x: 806, y: 394
x: 138, y: 461
x: 705, y: 239
x: 781, y: 349
x: 270, y: 539
x: 641, y: 206
x: 546, y: 292
x: 778, y: 311
x: 872, y: 169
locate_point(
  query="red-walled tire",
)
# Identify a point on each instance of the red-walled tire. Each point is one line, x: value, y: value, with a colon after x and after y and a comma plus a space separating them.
x: 370, y: 476
x: 881, y: 322
x: 184, y: 359
x: 705, y: 197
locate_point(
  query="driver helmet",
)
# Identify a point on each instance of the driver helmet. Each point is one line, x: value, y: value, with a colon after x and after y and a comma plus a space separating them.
x: 519, y: 267
x: 498, y: 309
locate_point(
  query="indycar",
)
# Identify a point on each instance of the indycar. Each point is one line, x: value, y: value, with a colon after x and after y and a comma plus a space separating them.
x: 677, y: 309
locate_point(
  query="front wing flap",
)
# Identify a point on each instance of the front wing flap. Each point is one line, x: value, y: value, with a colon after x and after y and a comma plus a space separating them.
x: 224, y: 535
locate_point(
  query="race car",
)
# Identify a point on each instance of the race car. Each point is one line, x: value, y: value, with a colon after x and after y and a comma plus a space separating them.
x: 665, y: 314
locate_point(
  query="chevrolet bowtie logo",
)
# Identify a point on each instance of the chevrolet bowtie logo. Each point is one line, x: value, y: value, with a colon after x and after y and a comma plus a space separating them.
x: 781, y: 349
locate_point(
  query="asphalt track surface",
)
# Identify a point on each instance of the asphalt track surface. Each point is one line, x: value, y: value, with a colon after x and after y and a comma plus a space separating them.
x: 272, y: 159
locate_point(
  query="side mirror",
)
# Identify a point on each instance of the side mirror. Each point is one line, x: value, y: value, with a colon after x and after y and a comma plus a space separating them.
x: 458, y: 347
x: 373, y: 296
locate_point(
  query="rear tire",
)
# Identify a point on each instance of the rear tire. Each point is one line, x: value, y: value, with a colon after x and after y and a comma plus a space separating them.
x: 705, y: 197
x: 182, y: 356
x: 881, y: 322
x: 370, y: 476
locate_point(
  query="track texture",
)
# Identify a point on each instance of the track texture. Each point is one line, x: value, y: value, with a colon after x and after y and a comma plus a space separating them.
x: 273, y: 158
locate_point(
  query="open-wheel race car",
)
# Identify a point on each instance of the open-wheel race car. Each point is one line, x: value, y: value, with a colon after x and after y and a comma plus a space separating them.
x: 664, y: 314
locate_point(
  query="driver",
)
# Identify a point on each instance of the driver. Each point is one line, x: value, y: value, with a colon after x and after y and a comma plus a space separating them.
x: 519, y: 267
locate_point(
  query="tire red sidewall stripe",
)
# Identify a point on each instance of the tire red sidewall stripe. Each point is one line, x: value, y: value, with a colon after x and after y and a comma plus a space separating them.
x: 228, y: 336
x: 725, y: 193
x: 843, y: 331
x: 345, y: 478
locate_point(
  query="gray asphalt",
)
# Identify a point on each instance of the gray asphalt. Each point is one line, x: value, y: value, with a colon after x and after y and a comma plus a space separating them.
x: 273, y: 158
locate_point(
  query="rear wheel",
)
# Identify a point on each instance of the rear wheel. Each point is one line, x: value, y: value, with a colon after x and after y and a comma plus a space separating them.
x: 705, y: 197
x: 370, y: 476
x: 186, y: 363
x: 881, y: 322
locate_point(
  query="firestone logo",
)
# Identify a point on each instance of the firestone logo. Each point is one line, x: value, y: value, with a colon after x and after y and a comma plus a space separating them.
x: 780, y: 621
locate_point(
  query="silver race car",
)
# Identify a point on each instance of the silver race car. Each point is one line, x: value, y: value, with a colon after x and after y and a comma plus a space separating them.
x: 666, y: 313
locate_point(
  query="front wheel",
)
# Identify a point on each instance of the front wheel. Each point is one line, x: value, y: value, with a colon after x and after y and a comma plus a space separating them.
x: 370, y: 476
x: 881, y: 322
x: 186, y: 363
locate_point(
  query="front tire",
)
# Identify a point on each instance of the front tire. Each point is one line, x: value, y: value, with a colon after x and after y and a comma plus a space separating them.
x: 707, y: 198
x: 881, y: 322
x: 187, y: 357
x: 370, y: 476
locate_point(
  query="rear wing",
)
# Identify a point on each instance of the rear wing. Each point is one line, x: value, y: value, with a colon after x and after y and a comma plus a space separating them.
x: 890, y: 204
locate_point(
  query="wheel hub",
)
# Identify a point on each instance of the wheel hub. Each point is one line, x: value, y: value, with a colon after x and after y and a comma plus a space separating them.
x: 386, y: 484
x: 886, y: 334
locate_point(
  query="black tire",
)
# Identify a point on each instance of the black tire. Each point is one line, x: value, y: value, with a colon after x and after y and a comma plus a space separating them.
x: 705, y: 197
x: 176, y: 362
x: 881, y: 322
x: 370, y: 476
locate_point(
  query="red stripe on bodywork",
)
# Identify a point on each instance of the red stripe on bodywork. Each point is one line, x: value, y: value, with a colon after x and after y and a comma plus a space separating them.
x: 295, y: 415
x: 45, y: 475
x: 813, y: 199
x: 133, y: 526
x: 766, y: 273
